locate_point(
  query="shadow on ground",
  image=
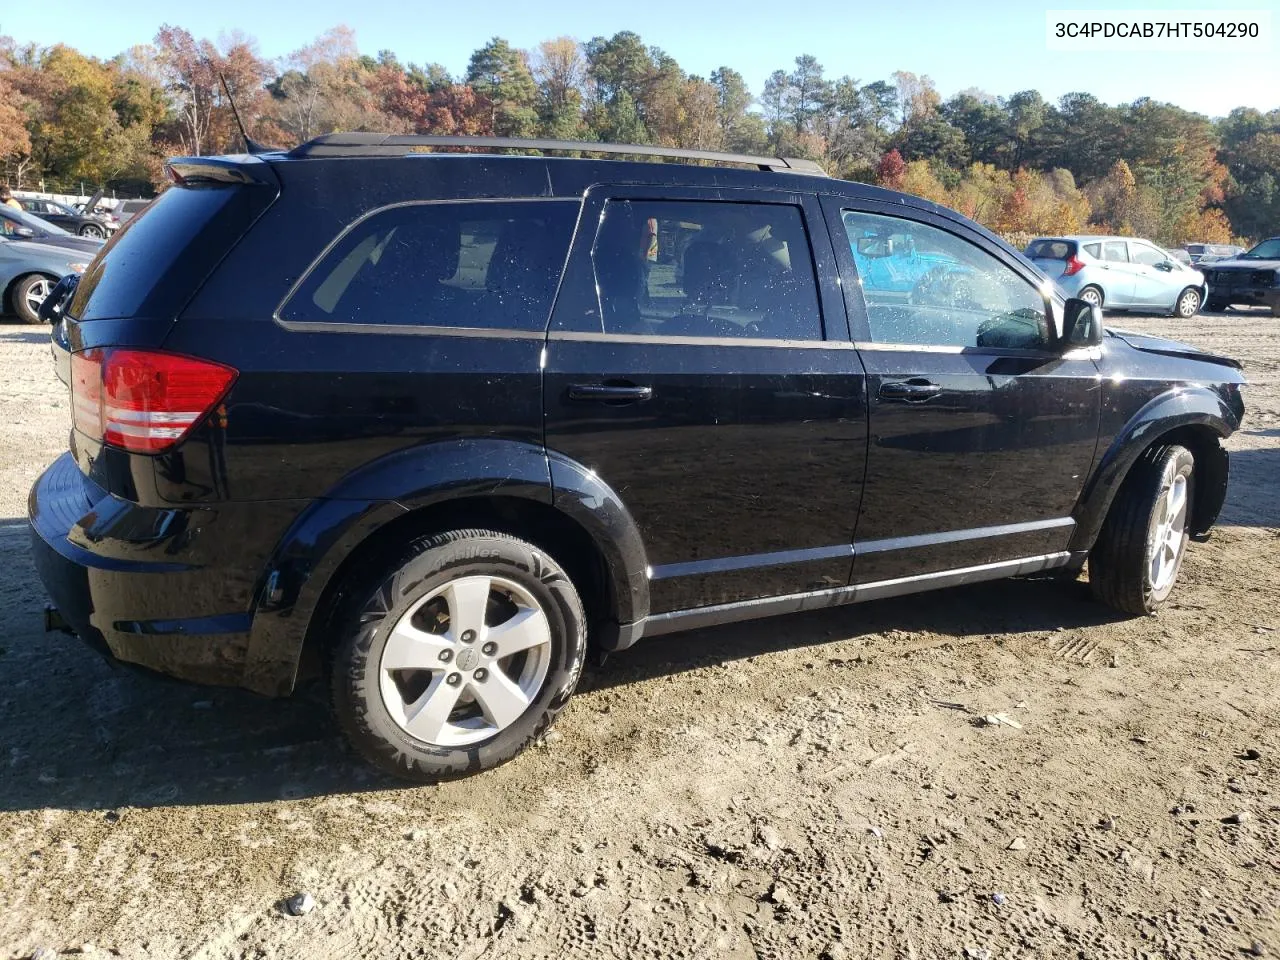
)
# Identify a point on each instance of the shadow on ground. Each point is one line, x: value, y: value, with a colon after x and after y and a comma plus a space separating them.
x: 83, y: 734
x: 14, y: 332
x: 1251, y: 500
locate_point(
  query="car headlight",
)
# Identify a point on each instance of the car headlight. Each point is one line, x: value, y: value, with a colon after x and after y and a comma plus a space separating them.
x: 77, y: 267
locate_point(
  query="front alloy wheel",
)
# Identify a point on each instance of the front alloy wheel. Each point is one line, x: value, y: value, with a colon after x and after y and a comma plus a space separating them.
x: 1135, y: 562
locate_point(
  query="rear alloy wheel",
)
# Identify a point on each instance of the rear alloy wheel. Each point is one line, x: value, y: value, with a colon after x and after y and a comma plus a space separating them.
x: 1188, y: 304
x: 1135, y: 562
x: 28, y: 294
x: 92, y: 230
x: 460, y: 657
x: 1092, y: 295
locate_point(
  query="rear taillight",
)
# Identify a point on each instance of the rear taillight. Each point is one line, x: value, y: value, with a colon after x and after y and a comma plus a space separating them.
x: 1074, y: 265
x: 143, y: 401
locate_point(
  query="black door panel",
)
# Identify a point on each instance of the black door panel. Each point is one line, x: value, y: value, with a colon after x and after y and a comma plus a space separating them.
x: 982, y: 433
x: 1003, y: 440
x: 739, y: 455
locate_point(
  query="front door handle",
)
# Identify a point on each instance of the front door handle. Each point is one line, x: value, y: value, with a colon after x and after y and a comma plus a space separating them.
x: 913, y: 391
x: 609, y: 392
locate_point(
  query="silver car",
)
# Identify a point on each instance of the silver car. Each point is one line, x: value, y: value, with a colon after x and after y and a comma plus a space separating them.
x: 1120, y: 273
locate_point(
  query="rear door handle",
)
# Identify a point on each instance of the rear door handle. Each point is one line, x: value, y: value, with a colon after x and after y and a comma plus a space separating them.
x: 912, y: 391
x: 609, y: 392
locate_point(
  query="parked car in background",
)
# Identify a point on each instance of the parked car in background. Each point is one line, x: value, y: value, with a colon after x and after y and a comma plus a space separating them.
x: 520, y: 434
x: 28, y: 272
x: 126, y: 210
x: 1205, y: 252
x: 1252, y: 278
x: 96, y: 226
x: 1120, y: 273
x: 24, y: 226
x: 1180, y: 255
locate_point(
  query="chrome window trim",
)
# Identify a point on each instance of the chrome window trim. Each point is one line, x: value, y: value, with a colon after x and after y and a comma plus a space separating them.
x: 593, y: 336
x: 402, y: 329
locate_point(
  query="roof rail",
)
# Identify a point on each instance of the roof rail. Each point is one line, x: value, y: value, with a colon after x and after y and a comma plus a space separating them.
x: 398, y: 145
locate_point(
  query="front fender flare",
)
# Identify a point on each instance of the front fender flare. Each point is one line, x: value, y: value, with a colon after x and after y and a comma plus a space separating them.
x: 1186, y: 406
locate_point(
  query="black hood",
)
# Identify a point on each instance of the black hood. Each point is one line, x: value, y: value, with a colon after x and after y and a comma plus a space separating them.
x: 1237, y: 263
x: 1172, y: 348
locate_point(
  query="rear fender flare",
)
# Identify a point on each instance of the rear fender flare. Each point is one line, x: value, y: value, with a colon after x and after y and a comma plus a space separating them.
x: 325, y: 534
x: 311, y: 552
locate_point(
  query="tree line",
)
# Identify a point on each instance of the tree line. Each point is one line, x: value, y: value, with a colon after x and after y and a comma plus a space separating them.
x: 1019, y: 164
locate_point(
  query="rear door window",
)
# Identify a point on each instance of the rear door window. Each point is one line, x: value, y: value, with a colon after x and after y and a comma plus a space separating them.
x: 1113, y: 252
x: 480, y: 264
x: 706, y: 269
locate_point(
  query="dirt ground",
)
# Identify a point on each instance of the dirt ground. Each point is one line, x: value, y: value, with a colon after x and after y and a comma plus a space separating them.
x: 812, y: 786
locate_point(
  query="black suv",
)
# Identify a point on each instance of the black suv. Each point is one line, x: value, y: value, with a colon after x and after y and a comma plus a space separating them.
x: 438, y: 420
x: 1251, y: 278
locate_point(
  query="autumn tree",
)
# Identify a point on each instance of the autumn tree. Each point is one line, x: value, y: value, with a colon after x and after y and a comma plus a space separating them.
x: 559, y: 69
x: 500, y: 74
x: 794, y: 101
x: 891, y: 170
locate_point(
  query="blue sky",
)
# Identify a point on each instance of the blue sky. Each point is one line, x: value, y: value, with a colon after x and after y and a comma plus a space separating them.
x: 998, y: 45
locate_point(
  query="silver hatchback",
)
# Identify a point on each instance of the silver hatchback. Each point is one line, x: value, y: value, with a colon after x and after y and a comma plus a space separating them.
x: 1120, y: 273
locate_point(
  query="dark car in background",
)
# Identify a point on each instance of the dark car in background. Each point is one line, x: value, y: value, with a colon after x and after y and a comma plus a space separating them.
x: 427, y: 424
x: 1250, y: 279
x: 97, y: 226
x: 21, y: 225
x: 1208, y: 252
x: 28, y: 272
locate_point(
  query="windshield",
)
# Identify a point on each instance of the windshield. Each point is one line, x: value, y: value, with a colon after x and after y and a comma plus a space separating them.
x: 1266, y: 250
x: 35, y: 223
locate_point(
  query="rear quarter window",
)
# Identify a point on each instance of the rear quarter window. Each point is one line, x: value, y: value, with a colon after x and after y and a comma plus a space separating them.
x: 154, y: 264
x: 492, y: 264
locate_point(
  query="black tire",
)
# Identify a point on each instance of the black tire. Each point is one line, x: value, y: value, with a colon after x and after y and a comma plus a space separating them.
x: 1187, y: 304
x: 426, y: 566
x: 22, y: 291
x: 1215, y: 306
x: 1275, y: 310
x: 1092, y: 288
x: 1121, y: 560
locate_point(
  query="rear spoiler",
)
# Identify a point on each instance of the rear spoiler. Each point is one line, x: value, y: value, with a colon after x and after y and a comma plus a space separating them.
x: 232, y: 169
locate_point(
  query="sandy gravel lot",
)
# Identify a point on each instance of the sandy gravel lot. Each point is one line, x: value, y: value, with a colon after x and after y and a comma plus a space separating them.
x: 797, y: 788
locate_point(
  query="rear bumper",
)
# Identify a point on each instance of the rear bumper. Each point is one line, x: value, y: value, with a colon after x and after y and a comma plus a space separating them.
x: 168, y: 589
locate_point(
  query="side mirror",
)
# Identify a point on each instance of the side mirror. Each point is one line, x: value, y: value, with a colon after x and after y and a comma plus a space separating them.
x: 1165, y: 265
x: 24, y: 232
x: 1081, y: 324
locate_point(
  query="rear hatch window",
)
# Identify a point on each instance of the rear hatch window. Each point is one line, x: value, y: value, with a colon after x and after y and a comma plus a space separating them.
x: 1052, y: 249
x: 1051, y: 256
x: 153, y: 265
